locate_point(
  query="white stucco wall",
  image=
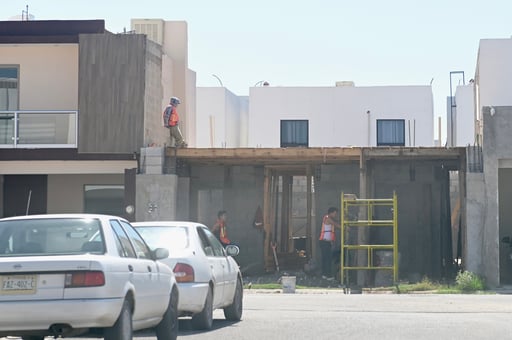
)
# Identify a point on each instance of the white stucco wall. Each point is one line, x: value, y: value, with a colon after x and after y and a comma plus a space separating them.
x: 465, y: 127
x: 494, y: 72
x: 338, y: 115
x: 48, y: 75
x: 219, y: 116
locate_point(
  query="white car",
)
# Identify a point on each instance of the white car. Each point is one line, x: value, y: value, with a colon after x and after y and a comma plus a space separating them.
x: 208, y: 277
x: 71, y: 274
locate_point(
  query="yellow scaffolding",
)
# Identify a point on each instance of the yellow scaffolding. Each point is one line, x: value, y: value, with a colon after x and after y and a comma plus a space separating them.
x: 369, y: 206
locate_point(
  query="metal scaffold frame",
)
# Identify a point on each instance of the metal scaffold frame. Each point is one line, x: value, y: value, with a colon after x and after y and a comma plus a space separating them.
x: 367, y: 209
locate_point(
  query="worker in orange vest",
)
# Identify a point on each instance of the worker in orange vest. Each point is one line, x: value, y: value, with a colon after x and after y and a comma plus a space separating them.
x: 219, y: 228
x: 171, y: 120
x: 327, y: 238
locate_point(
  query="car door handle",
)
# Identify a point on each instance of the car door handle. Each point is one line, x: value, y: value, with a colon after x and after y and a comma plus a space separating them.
x: 149, y: 269
x: 130, y: 267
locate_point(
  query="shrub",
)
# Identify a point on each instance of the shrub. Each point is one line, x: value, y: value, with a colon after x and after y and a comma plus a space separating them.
x: 468, y: 281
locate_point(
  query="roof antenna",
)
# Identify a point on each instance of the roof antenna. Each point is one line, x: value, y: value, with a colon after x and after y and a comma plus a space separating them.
x: 24, y: 14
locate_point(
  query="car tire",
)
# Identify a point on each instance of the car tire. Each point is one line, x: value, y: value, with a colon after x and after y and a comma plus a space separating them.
x: 32, y: 337
x: 123, y: 328
x: 204, y: 319
x: 167, y: 329
x: 233, y: 312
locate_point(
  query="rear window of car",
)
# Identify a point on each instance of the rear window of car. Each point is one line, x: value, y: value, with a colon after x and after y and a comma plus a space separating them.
x: 170, y: 238
x: 58, y: 236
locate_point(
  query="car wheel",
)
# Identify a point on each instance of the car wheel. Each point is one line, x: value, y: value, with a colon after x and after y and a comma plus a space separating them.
x: 233, y: 312
x: 204, y: 319
x: 167, y: 329
x: 32, y: 337
x: 123, y: 328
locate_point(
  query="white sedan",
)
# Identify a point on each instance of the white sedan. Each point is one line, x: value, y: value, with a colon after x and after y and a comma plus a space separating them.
x: 71, y: 274
x: 208, y: 277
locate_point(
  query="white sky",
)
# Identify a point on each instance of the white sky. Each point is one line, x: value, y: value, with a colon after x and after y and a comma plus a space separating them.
x: 311, y: 43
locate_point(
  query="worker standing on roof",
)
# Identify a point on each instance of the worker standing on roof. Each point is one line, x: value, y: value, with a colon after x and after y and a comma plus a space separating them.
x: 327, y: 238
x: 171, y: 120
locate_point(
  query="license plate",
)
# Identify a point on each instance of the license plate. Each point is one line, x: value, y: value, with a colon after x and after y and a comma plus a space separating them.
x: 18, y: 284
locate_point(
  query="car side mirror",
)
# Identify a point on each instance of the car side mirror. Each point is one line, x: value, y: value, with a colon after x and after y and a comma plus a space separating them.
x: 232, y: 250
x: 160, y: 253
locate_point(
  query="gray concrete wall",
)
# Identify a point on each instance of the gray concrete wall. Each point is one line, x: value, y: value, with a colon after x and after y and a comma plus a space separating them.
x: 239, y: 190
x: 475, y: 222
x: 497, y: 124
x: 154, y: 131
x: 418, y: 187
x: 156, y: 197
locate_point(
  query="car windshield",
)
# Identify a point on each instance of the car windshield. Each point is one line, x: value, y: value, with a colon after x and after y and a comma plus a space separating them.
x: 50, y: 236
x: 171, y: 238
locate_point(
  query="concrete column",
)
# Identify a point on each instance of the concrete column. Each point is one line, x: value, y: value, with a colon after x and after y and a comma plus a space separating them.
x: 156, y: 197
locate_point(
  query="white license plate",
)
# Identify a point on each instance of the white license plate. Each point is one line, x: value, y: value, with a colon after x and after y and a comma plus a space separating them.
x: 18, y: 284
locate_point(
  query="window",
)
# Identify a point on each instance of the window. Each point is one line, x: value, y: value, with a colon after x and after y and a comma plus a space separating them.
x: 391, y: 132
x: 211, y: 245
x: 294, y: 133
x: 141, y: 248
x: 127, y: 248
x: 9, y: 76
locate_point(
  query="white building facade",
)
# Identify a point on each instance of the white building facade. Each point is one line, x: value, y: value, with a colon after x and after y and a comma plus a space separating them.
x: 337, y: 116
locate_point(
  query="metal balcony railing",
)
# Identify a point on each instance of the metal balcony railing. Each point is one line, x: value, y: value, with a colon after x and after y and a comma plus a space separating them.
x: 38, y: 129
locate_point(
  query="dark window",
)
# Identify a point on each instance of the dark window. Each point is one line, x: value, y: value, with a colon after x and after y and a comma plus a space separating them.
x: 294, y: 133
x: 104, y: 199
x: 391, y: 132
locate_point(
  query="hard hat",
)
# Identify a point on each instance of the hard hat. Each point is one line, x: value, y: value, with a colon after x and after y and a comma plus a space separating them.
x: 175, y: 101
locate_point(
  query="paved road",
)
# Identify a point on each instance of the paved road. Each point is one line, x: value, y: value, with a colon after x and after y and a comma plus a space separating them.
x: 339, y: 316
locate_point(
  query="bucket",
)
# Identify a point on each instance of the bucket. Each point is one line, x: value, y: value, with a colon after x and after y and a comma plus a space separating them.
x: 288, y: 284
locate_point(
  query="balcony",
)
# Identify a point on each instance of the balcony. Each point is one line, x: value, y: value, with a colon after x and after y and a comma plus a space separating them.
x: 38, y: 129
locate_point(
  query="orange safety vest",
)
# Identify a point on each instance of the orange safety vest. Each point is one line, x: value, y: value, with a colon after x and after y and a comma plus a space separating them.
x: 323, y: 231
x: 173, y: 120
x: 222, y: 234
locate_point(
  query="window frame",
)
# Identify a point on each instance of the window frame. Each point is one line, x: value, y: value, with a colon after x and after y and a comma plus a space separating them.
x: 293, y: 144
x: 379, y: 142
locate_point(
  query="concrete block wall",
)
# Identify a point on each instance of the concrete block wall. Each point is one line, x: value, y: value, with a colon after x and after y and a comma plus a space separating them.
x: 239, y: 191
x: 242, y: 195
x: 152, y: 160
x: 418, y: 188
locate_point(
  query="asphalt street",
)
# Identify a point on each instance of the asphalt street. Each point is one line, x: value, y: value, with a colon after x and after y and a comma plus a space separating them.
x: 339, y: 316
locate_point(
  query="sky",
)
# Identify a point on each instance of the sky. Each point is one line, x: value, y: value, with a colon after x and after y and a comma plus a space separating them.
x: 311, y: 43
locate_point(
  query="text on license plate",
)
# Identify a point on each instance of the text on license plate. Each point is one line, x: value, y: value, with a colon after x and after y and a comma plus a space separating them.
x: 18, y: 284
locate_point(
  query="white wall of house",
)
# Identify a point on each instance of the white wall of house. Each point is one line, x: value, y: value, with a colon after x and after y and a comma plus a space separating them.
x: 494, y: 72
x: 340, y: 116
x: 48, y: 74
x: 465, y: 127
x: 220, y: 114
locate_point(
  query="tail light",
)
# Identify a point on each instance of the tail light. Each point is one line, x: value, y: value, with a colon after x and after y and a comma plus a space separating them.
x: 85, y: 279
x: 184, y: 272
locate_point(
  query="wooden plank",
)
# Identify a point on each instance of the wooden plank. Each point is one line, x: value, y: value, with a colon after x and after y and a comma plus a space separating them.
x: 266, y: 212
x: 309, y: 218
x: 294, y: 156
